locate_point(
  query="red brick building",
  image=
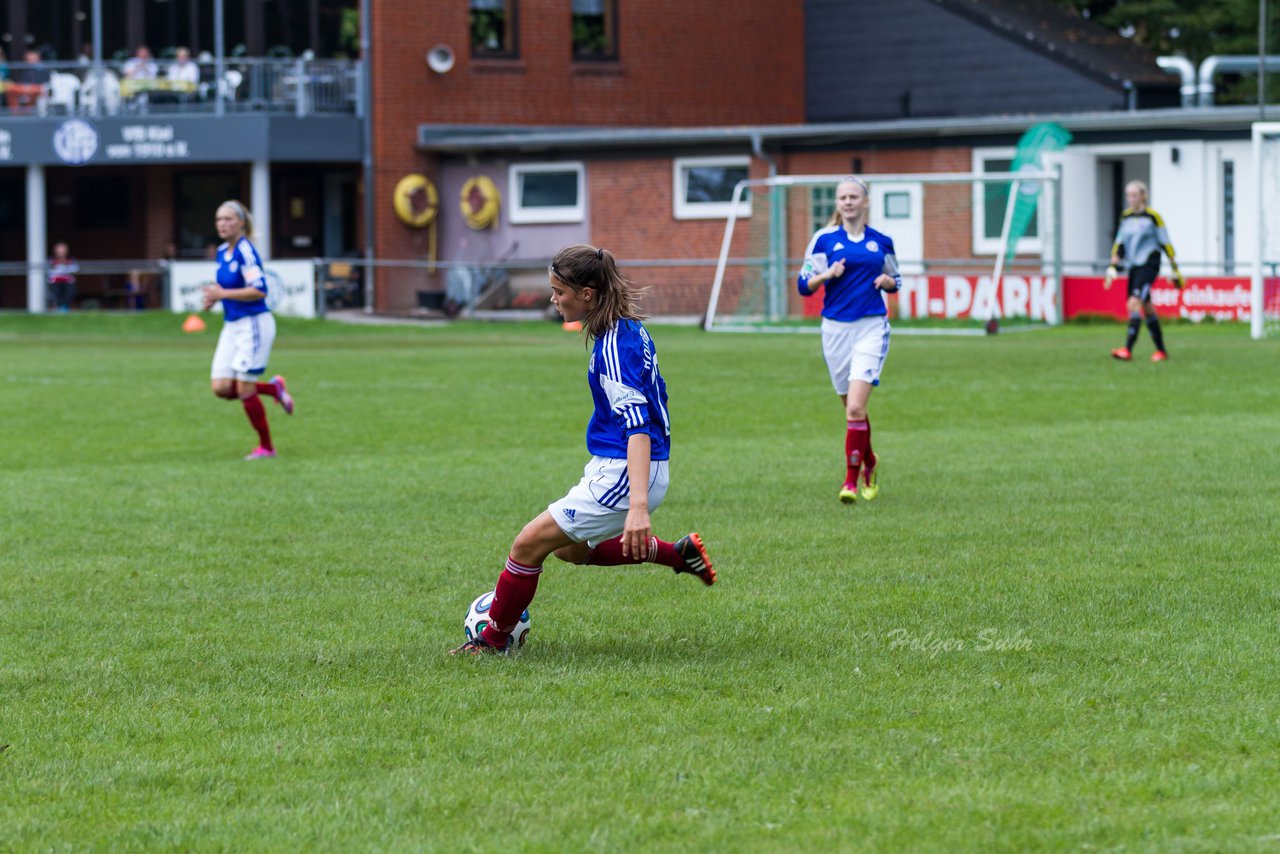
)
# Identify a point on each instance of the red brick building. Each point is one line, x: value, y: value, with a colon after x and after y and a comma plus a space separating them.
x: 640, y: 64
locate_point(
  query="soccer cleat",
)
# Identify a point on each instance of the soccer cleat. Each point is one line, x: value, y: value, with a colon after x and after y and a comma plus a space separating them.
x: 870, y: 489
x: 696, y: 560
x: 1159, y: 356
x: 479, y: 646
x: 1121, y: 353
x: 282, y: 394
x: 260, y: 453
x: 849, y: 492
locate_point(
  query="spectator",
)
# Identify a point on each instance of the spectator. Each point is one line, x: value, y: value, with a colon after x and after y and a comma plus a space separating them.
x: 32, y: 73
x: 4, y: 65
x: 28, y: 84
x: 142, y: 66
x: 62, y: 277
x: 86, y: 54
x: 183, y: 70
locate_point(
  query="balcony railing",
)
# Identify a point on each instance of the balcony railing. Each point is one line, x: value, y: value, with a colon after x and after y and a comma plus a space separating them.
x: 301, y: 87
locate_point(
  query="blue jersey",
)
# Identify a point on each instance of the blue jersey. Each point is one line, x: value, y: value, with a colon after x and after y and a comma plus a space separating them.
x: 630, y: 395
x: 852, y: 295
x: 240, y: 267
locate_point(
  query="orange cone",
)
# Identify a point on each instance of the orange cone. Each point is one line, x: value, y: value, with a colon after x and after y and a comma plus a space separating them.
x: 572, y: 326
x: 193, y: 323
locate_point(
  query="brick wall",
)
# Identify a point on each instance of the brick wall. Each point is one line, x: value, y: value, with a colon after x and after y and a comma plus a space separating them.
x: 713, y: 62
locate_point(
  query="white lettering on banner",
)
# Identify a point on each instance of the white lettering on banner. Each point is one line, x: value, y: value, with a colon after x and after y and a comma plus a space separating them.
x: 1044, y: 299
x: 958, y: 296
x: 1016, y: 294
x: 148, y: 142
x: 984, y: 299
x: 6, y: 145
x: 958, y: 293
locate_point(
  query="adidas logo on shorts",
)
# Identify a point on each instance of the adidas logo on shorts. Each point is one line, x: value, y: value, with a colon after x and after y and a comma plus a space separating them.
x: 569, y: 513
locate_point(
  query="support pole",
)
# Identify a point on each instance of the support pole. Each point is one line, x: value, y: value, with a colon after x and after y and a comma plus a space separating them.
x: 366, y: 93
x: 37, y: 239
x: 260, y: 203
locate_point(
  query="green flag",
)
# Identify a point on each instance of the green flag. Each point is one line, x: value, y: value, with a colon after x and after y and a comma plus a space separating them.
x: 1035, y: 143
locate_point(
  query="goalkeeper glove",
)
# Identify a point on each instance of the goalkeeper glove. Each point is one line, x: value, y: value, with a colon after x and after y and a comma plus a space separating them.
x: 1179, y: 281
x: 1110, y: 277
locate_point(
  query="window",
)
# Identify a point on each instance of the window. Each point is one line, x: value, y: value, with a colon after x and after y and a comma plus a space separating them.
x: 546, y: 192
x: 822, y: 204
x: 196, y: 196
x: 595, y: 29
x: 704, y: 187
x: 991, y: 200
x: 1229, y: 217
x: 493, y: 29
x: 897, y: 206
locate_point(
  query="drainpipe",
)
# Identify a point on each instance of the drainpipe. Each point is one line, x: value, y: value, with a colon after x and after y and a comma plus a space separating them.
x: 757, y: 148
x: 1241, y: 64
x: 1184, y: 68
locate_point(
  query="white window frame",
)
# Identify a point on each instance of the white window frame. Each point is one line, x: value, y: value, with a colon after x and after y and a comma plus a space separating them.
x: 683, y: 209
x: 983, y: 245
x: 517, y: 214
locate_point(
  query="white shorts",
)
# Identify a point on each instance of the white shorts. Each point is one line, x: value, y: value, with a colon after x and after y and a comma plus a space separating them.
x: 855, y: 351
x: 596, y: 509
x: 244, y: 346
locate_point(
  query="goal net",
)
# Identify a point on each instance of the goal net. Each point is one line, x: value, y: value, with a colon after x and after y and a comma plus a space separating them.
x: 1264, y: 309
x: 948, y: 230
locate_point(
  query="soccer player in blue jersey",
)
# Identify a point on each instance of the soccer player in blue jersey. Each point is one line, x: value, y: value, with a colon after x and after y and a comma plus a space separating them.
x: 854, y: 264
x: 1140, y: 240
x: 248, y: 329
x: 604, y: 520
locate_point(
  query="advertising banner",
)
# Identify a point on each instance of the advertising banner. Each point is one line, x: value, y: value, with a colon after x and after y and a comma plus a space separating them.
x: 291, y: 286
x: 1216, y: 297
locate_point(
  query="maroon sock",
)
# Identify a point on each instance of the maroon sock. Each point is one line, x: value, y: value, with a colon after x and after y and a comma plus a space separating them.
x: 857, y: 440
x: 609, y: 553
x: 514, y: 592
x: 871, y: 455
x: 269, y: 389
x: 258, y: 418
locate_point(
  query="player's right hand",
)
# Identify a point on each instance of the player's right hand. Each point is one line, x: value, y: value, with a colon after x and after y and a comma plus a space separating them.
x: 1110, y: 277
x: 836, y: 270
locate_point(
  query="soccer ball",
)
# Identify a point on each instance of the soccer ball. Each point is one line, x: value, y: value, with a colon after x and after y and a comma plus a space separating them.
x: 478, y: 618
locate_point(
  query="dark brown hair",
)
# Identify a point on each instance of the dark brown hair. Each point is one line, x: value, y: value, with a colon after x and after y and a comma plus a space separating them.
x: 617, y: 298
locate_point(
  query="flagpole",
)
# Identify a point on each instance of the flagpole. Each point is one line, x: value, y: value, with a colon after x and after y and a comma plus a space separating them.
x: 1014, y: 189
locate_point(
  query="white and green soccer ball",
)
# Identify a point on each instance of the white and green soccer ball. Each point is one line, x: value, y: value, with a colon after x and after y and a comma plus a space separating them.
x: 478, y: 618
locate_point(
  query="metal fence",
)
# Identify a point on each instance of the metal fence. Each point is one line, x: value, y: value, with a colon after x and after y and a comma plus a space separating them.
x: 295, y: 86
x: 677, y: 287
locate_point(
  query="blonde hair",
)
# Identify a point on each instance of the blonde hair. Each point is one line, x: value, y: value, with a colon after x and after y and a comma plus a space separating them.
x: 581, y: 266
x: 242, y: 212
x: 834, y: 219
x: 1139, y: 185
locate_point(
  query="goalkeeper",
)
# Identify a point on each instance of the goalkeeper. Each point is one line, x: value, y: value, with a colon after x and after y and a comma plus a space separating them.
x: 1141, y: 238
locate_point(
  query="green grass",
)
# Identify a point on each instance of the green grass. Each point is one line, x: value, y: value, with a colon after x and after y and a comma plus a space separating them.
x: 1055, y: 630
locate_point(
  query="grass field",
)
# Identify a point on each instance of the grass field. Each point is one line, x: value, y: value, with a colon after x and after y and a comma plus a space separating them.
x: 1055, y: 630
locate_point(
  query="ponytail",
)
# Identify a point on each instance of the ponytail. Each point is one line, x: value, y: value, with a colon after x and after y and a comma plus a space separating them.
x: 617, y: 298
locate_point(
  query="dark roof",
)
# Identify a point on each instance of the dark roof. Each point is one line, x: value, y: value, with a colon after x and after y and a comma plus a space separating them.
x: 1070, y: 38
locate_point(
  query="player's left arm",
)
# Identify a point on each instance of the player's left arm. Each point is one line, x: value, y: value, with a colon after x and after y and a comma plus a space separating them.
x: 637, y: 529
x: 890, y: 279
x: 1162, y: 237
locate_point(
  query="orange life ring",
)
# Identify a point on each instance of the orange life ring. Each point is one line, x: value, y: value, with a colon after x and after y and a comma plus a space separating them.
x: 480, y: 201
x: 416, y: 200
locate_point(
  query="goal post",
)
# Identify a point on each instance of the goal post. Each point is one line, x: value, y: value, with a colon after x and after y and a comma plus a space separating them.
x: 948, y: 230
x: 1264, y: 297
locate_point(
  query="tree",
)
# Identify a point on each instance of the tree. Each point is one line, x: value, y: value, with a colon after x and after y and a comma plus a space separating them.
x: 1193, y: 28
